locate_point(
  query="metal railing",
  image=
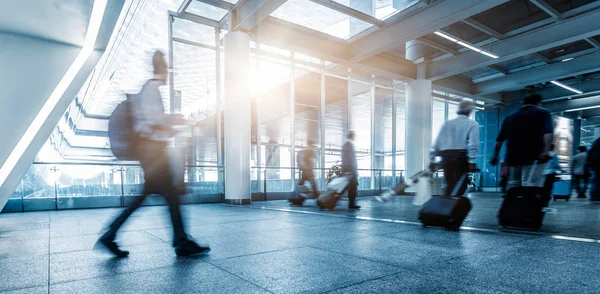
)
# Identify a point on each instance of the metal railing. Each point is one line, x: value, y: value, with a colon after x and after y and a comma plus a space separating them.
x: 277, y: 180
x: 67, y: 185
x: 64, y: 185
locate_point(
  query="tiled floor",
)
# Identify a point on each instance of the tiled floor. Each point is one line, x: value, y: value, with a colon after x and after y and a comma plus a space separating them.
x: 266, y: 248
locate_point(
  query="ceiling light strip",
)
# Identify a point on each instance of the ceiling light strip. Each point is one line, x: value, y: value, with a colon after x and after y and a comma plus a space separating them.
x: 566, y: 87
x: 465, y: 44
x: 88, y: 47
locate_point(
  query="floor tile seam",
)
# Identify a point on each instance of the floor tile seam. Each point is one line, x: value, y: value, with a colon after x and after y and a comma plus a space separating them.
x: 482, y: 251
x: 501, y: 232
x: 155, y: 237
x: 240, y: 277
x: 99, y: 250
x: 128, y: 272
x: 361, y: 257
x: 362, y: 282
x: 21, y: 288
x: 49, y: 252
x: 92, y: 249
x: 258, y: 253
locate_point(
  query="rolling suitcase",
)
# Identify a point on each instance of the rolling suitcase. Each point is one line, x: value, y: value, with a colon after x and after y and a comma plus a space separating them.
x: 561, y: 190
x: 300, y: 195
x: 522, y: 208
x: 330, y: 197
x: 446, y: 211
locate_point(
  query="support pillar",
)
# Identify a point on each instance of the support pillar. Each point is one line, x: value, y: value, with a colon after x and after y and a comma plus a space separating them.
x: 237, y: 118
x: 418, y: 110
x: 418, y: 125
x: 576, y: 135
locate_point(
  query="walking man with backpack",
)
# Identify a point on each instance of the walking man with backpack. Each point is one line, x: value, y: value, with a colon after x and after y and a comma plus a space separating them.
x: 151, y: 132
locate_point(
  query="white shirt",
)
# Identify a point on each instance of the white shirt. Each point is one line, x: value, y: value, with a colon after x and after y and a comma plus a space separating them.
x: 460, y: 133
x: 578, y: 163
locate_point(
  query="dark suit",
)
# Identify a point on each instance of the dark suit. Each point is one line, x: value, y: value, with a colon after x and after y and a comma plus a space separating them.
x: 350, y: 166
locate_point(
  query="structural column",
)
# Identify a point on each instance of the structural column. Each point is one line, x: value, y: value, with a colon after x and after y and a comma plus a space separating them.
x: 418, y: 111
x: 418, y: 125
x: 237, y: 118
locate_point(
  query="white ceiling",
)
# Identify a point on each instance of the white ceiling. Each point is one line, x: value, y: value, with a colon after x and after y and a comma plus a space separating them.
x: 58, y: 20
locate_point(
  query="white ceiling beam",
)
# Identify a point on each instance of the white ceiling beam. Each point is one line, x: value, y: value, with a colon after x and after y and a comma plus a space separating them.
x: 429, y: 19
x: 248, y: 14
x: 462, y: 86
x: 543, y: 5
x: 483, y: 28
x: 198, y: 19
x: 593, y: 42
x: 287, y: 36
x: 557, y: 34
x: 349, y: 11
x: 184, y: 5
x: 573, y: 105
x: 499, y: 69
x: 554, y: 71
x: 218, y: 3
x: 438, y: 46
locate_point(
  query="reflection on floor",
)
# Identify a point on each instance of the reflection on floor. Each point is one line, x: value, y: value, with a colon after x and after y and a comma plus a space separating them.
x: 274, y: 251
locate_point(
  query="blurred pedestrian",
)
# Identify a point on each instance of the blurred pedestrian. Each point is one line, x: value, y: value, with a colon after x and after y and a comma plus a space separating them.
x: 579, y: 172
x: 350, y: 167
x: 307, y: 162
x: 153, y: 130
x: 528, y: 135
x: 458, y: 145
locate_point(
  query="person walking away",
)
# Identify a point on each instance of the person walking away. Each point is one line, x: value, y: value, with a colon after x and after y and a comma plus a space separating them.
x: 350, y: 166
x: 307, y: 168
x: 593, y: 163
x: 528, y: 135
x: 458, y: 145
x: 150, y: 123
x: 579, y: 172
x: 552, y: 169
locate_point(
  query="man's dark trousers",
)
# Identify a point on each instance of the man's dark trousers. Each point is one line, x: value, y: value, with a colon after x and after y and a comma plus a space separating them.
x: 157, y: 180
x: 309, y: 175
x: 455, y: 164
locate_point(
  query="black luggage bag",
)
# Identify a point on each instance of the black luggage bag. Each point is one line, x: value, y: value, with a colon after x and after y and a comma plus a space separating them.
x: 299, y: 195
x: 330, y: 197
x: 446, y: 211
x: 523, y: 208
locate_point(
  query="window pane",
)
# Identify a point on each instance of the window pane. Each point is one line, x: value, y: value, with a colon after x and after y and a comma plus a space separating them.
x: 336, y: 118
x: 275, y: 122
x: 360, y: 105
x: 438, y: 118
x: 209, y: 11
x: 400, y: 125
x: 452, y: 109
x: 194, y: 32
x: 382, y: 9
x: 320, y: 18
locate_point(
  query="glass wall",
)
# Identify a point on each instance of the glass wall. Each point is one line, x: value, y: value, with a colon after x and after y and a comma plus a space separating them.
x: 361, y: 120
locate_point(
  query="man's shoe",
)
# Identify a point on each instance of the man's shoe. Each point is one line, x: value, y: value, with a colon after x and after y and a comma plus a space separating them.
x: 190, y: 247
x: 353, y: 207
x: 108, y: 243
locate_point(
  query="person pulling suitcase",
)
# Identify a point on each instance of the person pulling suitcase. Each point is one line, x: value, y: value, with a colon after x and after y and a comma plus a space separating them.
x: 458, y: 145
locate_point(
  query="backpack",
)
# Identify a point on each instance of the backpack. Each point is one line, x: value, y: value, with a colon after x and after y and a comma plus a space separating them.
x: 300, y: 159
x: 121, y: 133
